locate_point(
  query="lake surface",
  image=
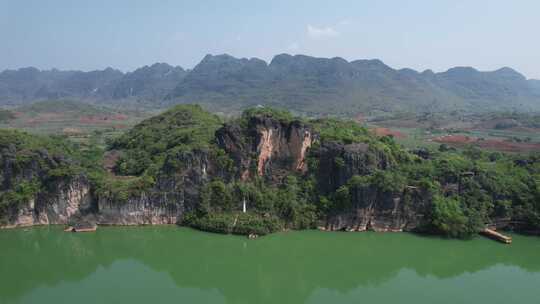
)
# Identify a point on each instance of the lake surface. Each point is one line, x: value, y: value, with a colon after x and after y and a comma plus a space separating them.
x: 178, y: 265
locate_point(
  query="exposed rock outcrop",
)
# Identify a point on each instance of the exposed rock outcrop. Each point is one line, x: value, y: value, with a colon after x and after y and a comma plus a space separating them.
x: 146, y: 209
x: 175, y: 192
x: 371, y: 209
x: 55, y: 206
x: 339, y: 162
x: 382, y: 212
x: 271, y: 147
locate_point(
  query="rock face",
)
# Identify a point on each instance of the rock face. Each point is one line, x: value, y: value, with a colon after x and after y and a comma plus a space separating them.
x: 56, y: 206
x: 176, y: 192
x: 42, y: 198
x: 338, y: 163
x: 266, y: 147
x: 381, y: 212
x: 272, y: 147
x: 371, y: 209
x: 143, y: 210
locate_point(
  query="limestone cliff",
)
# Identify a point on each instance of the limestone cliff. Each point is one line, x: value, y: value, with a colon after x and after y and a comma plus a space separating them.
x: 260, y: 146
x: 54, y: 206
x: 175, y: 192
x: 264, y: 147
x: 382, y: 212
x: 267, y: 147
x: 371, y: 209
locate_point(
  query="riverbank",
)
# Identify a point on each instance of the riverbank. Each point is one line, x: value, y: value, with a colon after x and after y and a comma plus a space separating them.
x: 243, y: 230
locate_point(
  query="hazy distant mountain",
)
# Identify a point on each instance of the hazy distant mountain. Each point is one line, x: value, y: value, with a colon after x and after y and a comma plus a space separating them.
x: 30, y: 84
x: 301, y: 83
x: 535, y: 84
x: 149, y: 82
x: 310, y: 84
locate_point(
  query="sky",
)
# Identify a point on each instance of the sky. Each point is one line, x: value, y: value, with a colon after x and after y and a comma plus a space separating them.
x: 127, y: 34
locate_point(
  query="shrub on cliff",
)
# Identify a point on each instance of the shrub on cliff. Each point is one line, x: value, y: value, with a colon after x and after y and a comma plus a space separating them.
x: 277, y: 114
x: 182, y: 128
x: 342, y: 131
x: 22, y: 193
x: 30, y: 164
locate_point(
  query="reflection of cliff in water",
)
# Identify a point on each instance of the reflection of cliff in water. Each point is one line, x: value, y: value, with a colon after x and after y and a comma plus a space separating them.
x: 288, y: 266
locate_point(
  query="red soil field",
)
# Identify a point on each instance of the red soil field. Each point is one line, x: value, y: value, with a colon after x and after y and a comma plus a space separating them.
x: 385, y: 132
x: 455, y: 139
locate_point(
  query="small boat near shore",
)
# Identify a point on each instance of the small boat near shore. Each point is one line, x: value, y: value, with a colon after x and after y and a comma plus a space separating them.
x: 492, y: 234
x: 81, y: 229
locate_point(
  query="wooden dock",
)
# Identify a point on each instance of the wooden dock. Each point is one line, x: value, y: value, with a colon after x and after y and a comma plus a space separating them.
x: 492, y: 234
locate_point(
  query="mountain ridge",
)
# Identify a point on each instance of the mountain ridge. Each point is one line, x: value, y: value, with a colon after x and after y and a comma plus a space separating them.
x: 302, y: 83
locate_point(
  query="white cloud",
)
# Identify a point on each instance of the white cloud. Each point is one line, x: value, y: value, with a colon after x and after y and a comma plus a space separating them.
x: 321, y: 33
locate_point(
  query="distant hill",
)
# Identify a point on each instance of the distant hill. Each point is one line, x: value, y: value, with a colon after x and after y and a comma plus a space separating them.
x: 149, y: 83
x: 535, y: 85
x: 309, y: 84
x: 30, y: 84
x: 300, y: 83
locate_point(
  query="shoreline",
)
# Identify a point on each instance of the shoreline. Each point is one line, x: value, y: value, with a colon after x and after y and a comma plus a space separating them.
x: 255, y: 236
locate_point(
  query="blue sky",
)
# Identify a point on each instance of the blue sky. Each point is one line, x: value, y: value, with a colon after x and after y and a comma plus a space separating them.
x: 127, y: 34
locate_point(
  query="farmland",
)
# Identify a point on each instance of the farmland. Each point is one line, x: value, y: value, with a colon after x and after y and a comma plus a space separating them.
x: 505, y: 132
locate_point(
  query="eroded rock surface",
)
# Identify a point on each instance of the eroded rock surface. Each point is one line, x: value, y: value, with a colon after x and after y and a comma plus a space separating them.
x: 273, y: 147
x: 56, y: 206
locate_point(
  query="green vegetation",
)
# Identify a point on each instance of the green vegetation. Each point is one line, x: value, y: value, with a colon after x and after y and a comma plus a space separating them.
x: 458, y: 192
x: 236, y: 223
x: 32, y: 164
x: 270, y: 207
x: 146, y: 146
x: 278, y: 114
x: 467, y: 189
x: 342, y: 131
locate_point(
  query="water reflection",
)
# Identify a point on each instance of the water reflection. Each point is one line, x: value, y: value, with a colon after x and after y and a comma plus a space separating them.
x: 299, y: 267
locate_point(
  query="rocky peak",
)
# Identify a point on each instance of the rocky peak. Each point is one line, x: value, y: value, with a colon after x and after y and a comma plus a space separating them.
x: 152, y: 82
x: 371, y: 65
x: 301, y: 64
x: 509, y: 74
x: 225, y: 62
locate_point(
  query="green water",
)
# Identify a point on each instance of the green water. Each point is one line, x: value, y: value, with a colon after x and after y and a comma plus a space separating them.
x: 178, y: 265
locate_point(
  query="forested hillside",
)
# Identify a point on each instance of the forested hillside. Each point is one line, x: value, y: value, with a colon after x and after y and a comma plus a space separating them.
x: 262, y: 172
